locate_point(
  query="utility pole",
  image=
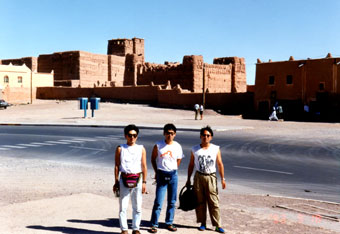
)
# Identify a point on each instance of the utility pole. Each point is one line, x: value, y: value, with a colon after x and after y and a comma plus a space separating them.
x: 203, y: 93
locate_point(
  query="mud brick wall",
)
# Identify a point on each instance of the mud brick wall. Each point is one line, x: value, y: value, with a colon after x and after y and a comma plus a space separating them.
x: 64, y: 64
x: 17, y: 95
x: 30, y: 62
x: 116, y: 70
x: 132, y: 66
x: 217, y: 78
x: 146, y: 94
x: 122, y: 47
x: 238, y: 75
x: 93, y: 69
x: 159, y: 74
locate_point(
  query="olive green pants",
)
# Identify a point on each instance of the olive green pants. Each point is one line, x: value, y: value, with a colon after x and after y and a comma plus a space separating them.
x: 205, y: 187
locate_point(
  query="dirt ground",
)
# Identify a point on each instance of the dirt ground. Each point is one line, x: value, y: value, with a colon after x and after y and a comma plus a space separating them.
x: 48, y: 196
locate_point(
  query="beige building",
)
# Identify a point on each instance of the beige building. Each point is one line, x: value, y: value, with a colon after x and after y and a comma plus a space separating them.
x: 18, y: 84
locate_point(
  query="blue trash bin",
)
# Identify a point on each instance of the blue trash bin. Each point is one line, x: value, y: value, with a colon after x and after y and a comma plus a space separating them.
x: 83, y: 104
x: 94, y: 101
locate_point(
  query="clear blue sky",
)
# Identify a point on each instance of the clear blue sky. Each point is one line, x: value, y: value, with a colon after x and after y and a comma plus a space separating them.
x: 265, y: 29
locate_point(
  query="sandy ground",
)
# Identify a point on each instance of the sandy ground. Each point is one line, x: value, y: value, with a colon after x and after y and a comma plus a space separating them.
x: 47, y: 196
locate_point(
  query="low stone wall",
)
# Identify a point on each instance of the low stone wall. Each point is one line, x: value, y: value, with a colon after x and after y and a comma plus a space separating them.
x: 228, y: 103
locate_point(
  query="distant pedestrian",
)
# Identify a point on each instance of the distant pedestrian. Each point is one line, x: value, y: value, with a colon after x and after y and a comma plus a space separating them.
x: 166, y: 157
x: 204, y: 158
x: 273, y: 116
x: 130, y: 162
x: 196, y: 107
x: 201, y: 111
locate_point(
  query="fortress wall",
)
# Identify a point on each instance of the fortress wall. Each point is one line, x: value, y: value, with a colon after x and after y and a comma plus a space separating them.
x: 238, y: 74
x: 240, y: 79
x: 160, y: 74
x: 129, y: 93
x: 93, y: 69
x: 116, y: 70
x: 64, y: 64
x: 218, y: 78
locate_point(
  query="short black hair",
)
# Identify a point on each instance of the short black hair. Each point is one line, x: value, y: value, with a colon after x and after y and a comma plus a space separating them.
x: 168, y: 127
x: 207, y: 128
x: 130, y: 127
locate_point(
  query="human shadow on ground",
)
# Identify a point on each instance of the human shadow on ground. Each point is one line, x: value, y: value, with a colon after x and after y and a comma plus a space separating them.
x: 69, y: 230
x: 145, y: 225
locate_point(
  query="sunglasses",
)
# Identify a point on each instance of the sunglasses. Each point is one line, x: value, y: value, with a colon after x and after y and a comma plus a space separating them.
x: 170, y: 133
x: 132, y: 135
x: 206, y: 135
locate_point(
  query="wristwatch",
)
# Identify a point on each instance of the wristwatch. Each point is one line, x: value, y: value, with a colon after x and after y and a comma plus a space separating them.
x: 144, y: 181
x: 223, y: 179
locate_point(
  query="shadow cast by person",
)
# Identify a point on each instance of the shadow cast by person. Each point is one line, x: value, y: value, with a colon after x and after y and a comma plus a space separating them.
x: 69, y: 230
x: 110, y: 223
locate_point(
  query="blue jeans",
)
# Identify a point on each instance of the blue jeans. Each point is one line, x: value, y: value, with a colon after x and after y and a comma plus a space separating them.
x: 166, y: 181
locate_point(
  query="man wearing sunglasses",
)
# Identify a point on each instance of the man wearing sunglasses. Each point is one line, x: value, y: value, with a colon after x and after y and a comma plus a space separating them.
x: 166, y: 157
x: 204, y: 158
x: 130, y: 162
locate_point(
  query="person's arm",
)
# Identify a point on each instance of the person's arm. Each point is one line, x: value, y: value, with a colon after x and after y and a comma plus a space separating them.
x: 144, y: 170
x: 190, y: 168
x: 117, y: 164
x: 220, y: 168
x: 153, y: 158
x: 178, y: 162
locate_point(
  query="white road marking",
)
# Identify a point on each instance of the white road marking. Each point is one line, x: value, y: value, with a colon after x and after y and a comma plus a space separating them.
x: 29, y: 145
x: 4, y: 149
x: 58, y: 142
x: 72, y: 141
x: 86, y: 148
x: 266, y: 170
x: 83, y: 139
x: 39, y: 143
x: 13, y: 147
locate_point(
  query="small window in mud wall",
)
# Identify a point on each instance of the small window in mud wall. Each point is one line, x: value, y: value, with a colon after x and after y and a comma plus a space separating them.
x: 6, y: 79
x: 289, y: 79
x: 20, y: 79
x: 271, y: 80
x: 321, y: 86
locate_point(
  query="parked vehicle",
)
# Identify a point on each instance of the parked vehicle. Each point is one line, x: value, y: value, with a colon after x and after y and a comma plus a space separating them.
x: 4, y: 104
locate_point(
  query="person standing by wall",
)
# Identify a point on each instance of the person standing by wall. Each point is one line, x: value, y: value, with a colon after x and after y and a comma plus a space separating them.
x: 204, y: 158
x: 130, y: 161
x: 201, y: 111
x: 196, y: 107
x: 166, y: 158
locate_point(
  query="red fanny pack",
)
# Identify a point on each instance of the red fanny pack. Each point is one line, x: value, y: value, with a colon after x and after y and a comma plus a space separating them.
x: 130, y: 180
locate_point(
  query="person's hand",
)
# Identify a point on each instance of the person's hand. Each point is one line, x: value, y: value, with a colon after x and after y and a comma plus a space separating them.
x: 224, y: 184
x: 115, y: 187
x: 144, y: 189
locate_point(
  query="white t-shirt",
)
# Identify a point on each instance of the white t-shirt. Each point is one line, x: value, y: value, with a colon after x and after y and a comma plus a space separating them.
x: 131, y: 158
x: 167, y: 155
x: 205, y: 159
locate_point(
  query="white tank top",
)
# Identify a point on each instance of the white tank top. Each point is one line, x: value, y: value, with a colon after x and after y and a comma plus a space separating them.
x: 168, y: 155
x: 205, y: 159
x: 131, y: 158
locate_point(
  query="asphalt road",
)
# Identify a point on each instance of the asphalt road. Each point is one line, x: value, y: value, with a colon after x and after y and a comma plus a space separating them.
x: 287, y: 166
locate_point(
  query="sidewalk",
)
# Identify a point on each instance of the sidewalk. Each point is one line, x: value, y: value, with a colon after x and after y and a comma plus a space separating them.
x: 39, y: 196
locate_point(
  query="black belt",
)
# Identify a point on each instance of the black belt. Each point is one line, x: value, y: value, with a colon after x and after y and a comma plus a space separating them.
x: 206, y: 174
